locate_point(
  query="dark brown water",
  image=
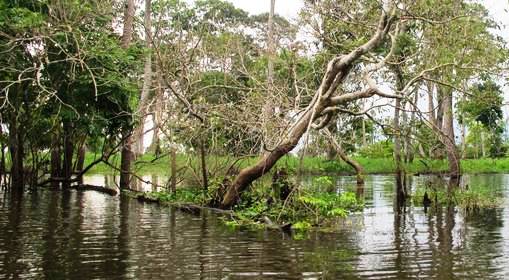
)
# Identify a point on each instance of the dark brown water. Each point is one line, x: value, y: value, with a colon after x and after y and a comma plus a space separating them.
x: 87, y: 235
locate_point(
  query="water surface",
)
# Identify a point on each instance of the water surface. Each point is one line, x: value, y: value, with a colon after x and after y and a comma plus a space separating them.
x: 88, y: 235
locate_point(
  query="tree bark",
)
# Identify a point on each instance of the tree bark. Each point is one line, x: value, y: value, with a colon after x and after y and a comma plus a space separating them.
x: 173, y: 162
x: 449, y: 140
x: 2, y: 165
x: 16, y: 147
x: 2, y: 156
x: 147, y: 80
x: 400, y: 173
x: 56, y: 162
x: 127, y: 33
x: 410, y: 152
x: 127, y: 154
x: 127, y: 157
x: 68, y: 154
x: 158, y: 113
x: 463, y: 140
x: 203, y: 157
x: 80, y: 162
x: 268, y: 107
x: 431, y: 111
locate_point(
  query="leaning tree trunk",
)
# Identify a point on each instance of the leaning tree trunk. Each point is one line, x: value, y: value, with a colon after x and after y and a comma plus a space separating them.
x: 359, y: 170
x: 127, y: 156
x: 337, y: 70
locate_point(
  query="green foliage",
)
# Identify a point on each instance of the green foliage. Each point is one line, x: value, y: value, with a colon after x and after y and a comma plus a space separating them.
x: 381, y: 149
x: 470, y: 198
x: 484, y: 104
x: 306, y: 207
x: 323, y: 182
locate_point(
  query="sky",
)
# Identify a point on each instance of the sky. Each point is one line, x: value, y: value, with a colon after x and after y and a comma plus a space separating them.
x: 286, y: 8
x: 290, y: 9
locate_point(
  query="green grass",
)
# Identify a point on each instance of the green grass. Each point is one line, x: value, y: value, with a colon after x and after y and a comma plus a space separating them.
x: 317, y: 165
x: 475, y: 197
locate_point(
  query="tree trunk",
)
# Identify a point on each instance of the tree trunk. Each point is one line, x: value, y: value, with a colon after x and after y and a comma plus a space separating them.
x: 173, y: 161
x: 463, y: 140
x: 268, y: 107
x: 2, y: 165
x: 439, y: 126
x: 80, y: 161
x: 127, y: 33
x: 68, y: 154
x: 400, y: 186
x: 17, y: 155
x: 2, y: 156
x: 271, y: 45
x: 127, y: 157
x: 158, y: 113
x: 448, y: 139
x: 147, y: 80
x: 203, y: 157
x: 410, y: 152
x: 364, y: 141
x: 483, y: 146
x: 332, y: 153
x: 127, y: 154
x: 56, y: 161
x: 359, y: 171
x: 431, y: 111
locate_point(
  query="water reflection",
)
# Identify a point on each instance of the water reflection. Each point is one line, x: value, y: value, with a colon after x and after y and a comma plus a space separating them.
x: 145, y: 183
x: 83, y: 235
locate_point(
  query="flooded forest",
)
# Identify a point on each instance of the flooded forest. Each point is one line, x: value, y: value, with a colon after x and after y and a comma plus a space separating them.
x: 269, y: 139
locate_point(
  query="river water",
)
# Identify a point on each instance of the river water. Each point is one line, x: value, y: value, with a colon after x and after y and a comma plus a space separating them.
x: 88, y: 235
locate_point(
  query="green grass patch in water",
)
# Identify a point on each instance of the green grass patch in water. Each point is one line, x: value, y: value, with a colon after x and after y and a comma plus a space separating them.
x: 471, y: 198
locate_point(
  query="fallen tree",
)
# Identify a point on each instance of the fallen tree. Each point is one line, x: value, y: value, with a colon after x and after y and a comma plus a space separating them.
x: 322, y: 107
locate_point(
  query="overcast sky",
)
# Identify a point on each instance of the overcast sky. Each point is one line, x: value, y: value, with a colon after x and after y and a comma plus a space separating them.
x: 290, y: 9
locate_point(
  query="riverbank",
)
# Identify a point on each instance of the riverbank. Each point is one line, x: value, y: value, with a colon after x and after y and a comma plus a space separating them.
x: 149, y: 164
